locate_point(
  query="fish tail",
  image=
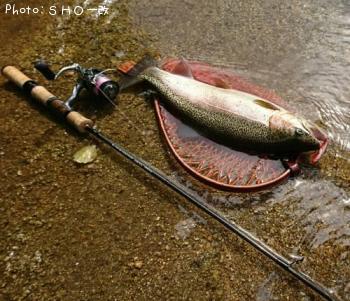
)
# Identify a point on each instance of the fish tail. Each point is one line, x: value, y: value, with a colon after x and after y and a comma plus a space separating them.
x: 132, y: 76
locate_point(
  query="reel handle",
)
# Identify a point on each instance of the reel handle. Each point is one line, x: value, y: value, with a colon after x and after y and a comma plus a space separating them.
x: 46, y: 98
x: 44, y: 69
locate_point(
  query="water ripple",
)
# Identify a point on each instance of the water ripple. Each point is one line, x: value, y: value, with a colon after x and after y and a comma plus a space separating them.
x: 322, y: 208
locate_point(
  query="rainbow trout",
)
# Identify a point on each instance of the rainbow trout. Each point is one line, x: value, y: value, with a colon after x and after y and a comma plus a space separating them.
x: 231, y: 117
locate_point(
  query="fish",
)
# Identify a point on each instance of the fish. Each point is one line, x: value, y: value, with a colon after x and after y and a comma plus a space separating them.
x: 234, y: 118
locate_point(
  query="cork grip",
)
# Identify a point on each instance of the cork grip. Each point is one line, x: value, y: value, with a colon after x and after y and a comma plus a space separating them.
x: 14, y: 75
x: 48, y: 99
x: 41, y: 94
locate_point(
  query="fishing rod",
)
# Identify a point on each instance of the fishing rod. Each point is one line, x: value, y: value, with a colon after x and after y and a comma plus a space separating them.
x: 85, y: 125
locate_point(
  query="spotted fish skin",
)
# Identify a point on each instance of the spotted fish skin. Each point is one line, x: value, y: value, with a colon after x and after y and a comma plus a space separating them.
x: 232, y: 117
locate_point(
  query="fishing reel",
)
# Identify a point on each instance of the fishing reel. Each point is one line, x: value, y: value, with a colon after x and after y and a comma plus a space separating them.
x: 93, y: 80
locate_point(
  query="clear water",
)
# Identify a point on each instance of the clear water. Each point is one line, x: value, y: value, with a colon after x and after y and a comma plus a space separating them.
x: 301, y: 50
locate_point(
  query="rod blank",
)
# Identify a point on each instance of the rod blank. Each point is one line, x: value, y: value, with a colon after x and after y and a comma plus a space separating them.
x: 233, y: 227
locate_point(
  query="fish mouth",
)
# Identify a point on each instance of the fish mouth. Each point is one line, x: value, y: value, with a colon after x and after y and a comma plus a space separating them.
x: 323, y: 141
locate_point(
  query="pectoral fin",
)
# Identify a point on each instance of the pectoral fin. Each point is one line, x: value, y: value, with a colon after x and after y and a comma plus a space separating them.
x: 266, y: 104
x: 222, y: 83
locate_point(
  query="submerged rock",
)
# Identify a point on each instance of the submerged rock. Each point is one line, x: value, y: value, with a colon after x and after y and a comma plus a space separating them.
x: 86, y: 155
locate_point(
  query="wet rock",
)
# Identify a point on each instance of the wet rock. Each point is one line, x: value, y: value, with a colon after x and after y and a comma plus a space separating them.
x: 119, y: 53
x: 185, y: 227
x: 138, y: 264
x: 347, y: 288
x: 38, y: 256
x: 86, y: 155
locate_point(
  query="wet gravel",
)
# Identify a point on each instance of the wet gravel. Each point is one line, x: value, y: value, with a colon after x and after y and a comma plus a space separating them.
x: 105, y: 230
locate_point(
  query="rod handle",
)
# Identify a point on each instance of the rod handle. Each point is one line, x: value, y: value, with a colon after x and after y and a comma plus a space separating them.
x: 42, y: 95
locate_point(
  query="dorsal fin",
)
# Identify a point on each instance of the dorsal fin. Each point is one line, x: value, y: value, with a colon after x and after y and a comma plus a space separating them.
x: 266, y: 104
x: 183, y: 68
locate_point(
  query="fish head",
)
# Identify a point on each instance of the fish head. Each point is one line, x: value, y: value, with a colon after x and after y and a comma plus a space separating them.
x: 297, y: 130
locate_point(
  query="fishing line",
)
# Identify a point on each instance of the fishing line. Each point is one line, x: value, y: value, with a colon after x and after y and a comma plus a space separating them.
x: 119, y: 110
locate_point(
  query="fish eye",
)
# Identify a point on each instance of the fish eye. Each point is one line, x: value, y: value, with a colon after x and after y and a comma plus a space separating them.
x: 299, y: 132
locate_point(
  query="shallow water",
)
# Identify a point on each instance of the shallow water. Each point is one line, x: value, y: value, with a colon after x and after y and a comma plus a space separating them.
x: 107, y: 231
x: 300, y: 50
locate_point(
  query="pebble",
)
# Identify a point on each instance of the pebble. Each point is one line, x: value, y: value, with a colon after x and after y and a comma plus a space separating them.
x: 86, y: 155
x: 138, y: 264
x: 119, y: 53
x: 38, y: 256
x: 347, y: 288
